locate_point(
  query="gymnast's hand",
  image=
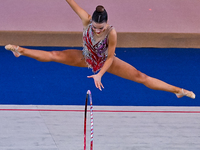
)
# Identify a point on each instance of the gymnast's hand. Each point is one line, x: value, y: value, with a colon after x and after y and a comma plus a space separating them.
x: 97, y: 81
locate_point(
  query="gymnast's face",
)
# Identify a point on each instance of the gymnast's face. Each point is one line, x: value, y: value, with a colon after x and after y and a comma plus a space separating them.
x: 98, y: 28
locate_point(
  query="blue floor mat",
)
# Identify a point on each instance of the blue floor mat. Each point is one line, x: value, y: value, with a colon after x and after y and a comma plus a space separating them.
x: 27, y: 81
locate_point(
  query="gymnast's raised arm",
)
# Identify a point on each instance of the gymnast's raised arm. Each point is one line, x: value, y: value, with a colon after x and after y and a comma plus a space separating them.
x: 84, y: 16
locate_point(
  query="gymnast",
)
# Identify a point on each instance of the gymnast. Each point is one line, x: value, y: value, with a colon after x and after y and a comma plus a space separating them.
x: 99, y: 44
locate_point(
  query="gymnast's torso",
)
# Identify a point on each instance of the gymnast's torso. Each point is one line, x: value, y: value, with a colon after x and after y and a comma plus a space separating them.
x: 95, y: 48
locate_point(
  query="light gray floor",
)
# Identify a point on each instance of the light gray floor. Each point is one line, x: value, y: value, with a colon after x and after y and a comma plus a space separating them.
x: 33, y: 128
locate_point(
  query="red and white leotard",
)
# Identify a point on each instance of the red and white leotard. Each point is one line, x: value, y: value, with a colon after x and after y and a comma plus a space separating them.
x: 95, y: 52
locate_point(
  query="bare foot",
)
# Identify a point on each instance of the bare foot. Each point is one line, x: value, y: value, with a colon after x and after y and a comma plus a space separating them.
x: 187, y: 93
x: 14, y: 49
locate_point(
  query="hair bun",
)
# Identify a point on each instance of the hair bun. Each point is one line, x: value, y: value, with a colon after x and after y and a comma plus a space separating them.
x: 100, y: 9
x: 100, y: 15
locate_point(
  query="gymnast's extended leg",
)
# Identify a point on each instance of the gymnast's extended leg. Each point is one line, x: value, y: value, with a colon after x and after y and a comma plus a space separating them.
x: 68, y: 57
x: 125, y: 70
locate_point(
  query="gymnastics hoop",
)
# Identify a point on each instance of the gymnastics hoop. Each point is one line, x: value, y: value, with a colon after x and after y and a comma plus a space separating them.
x: 91, y: 120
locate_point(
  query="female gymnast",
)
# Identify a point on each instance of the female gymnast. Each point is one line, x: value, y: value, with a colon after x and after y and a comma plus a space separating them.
x: 99, y: 43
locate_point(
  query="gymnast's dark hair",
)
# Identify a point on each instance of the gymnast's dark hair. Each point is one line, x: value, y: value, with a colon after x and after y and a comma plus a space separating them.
x: 100, y: 15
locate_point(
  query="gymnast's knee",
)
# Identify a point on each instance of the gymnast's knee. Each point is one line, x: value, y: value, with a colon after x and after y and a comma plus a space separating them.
x: 54, y: 55
x: 59, y: 56
x: 64, y: 57
x: 141, y: 77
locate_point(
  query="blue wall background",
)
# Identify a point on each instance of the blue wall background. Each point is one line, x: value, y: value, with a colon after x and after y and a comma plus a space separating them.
x: 27, y: 81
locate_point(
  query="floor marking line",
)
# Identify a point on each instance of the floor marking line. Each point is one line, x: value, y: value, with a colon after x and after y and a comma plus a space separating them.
x: 116, y: 111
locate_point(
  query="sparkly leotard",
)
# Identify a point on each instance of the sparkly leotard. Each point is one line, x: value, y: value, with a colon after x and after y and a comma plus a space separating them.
x: 95, y: 52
